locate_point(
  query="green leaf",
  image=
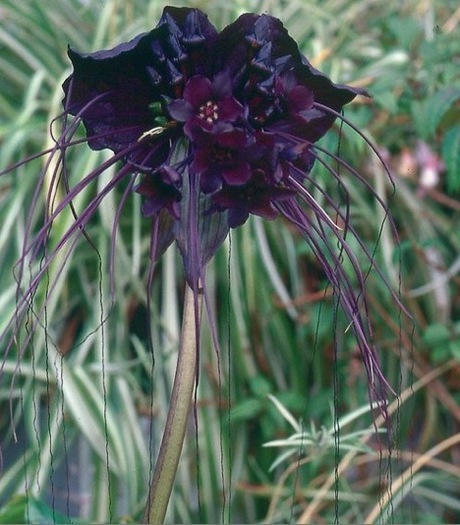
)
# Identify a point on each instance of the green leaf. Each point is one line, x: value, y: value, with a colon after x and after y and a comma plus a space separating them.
x: 39, y: 512
x: 285, y: 413
x: 87, y: 405
x: 260, y: 386
x: 406, y: 30
x: 436, y: 334
x: 14, y: 511
x: 454, y: 348
x: 440, y: 354
x: 247, y: 409
x: 438, y: 105
x: 24, y: 509
x: 450, y: 149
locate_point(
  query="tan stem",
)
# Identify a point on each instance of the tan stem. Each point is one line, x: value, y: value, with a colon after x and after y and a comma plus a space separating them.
x: 421, y: 461
x: 173, y: 437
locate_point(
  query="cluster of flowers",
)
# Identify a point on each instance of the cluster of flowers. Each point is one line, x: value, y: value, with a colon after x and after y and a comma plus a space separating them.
x: 220, y: 123
x: 210, y: 127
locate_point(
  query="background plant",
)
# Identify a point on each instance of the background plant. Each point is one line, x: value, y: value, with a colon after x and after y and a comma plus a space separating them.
x: 275, y: 315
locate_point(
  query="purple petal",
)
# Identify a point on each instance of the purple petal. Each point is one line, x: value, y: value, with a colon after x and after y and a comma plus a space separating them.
x: 230, y: 109
x: 198, y: 91
x: 263, y: 208
x: 210, y: 181
x: 247, y: 35
x: 200, y: 162
x: 300, y: 98
x: 198, y: 131
x: 194, y: 24
x: 181, y: 110
x: 170, y: 175
x: 324, y: 90
x: 236, y: 174
x: 222, y: 85
x: 237, y: 216
x: 234, y: 139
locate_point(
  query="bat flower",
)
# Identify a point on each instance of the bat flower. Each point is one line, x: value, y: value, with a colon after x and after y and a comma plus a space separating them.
x: 211, y: 127
x: 206, y: 104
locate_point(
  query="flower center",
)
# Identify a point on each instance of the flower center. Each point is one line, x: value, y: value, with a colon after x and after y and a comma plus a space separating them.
x: 208, y: 112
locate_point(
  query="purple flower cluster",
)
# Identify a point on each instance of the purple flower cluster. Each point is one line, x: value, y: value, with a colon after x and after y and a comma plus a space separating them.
x: 209, y: 128
x: 220, y: 123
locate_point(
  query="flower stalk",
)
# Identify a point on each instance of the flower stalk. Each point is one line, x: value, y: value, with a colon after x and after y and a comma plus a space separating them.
x: 162, y: 481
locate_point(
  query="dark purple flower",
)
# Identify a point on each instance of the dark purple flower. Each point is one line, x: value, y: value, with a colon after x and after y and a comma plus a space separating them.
x: 210, y: 128
x: 198, y: 102
x: 161, y: 190
x: 220, y: 157
x: 256, y: 197
x: 205, y: 105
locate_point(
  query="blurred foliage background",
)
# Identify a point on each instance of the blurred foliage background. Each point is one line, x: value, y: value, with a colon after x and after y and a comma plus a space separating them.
x: 83, y: 416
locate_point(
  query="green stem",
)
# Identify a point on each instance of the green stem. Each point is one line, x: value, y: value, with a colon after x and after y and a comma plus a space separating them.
x: 173, y: 437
